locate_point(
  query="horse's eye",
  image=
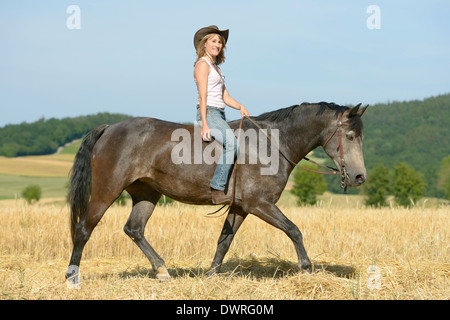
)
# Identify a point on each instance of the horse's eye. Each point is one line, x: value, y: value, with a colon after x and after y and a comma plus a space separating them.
x: 350, y: 137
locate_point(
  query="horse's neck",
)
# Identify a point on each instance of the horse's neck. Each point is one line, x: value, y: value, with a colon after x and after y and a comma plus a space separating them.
x: 303, y: 134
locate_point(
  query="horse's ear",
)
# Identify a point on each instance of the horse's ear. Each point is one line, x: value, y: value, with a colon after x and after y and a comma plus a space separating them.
x: 354, y: 110
x: 362, y: 110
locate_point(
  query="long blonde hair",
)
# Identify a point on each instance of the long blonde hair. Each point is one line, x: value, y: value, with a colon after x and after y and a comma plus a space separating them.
x: 201, y: 48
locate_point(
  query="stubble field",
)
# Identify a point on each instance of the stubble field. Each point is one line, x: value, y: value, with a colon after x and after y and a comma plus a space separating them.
x: 357, y: 252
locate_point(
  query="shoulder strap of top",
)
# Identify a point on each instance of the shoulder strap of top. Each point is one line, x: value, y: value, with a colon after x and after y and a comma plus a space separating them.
x: 204, y: 59
x: 207, y: 61
x: 217, y: 69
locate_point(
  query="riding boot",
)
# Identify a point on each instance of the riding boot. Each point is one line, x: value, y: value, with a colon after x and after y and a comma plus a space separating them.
x: 219, y: 197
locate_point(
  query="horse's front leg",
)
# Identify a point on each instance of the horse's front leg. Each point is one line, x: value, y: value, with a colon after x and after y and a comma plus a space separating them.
x: 234, y: 220
x: 270, y: 213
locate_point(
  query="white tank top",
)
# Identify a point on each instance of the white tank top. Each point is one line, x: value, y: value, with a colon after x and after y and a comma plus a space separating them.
x: 214, y: 92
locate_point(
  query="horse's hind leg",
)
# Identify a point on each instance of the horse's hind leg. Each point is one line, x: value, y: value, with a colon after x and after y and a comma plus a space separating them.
x: 144, y: 202
x: 96, y: 210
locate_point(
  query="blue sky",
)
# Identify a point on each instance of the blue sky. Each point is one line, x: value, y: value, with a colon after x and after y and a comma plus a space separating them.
x: 136, y: 57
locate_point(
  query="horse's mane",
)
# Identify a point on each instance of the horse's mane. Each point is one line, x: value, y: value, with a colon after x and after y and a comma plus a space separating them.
x: 277, y: 115
x: 328, y: 106
x: 283, y: 113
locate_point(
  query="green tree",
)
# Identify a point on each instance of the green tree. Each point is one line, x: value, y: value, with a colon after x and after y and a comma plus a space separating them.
x: 408, y: 186
x: 32, y: 192
x: 376, y: 187
x: 307, y: 185
x: 444, y: 177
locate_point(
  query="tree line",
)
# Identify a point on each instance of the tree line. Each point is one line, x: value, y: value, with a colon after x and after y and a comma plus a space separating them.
x: 45, y: 136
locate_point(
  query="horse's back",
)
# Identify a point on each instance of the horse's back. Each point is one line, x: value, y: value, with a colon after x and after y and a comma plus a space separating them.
x: 142, y: 149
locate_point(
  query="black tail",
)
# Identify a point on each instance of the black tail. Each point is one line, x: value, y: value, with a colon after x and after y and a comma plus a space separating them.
x: 80, y: 180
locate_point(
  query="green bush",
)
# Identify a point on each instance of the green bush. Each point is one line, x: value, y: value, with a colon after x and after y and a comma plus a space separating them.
x: 408, y: 186
x: 307, y: 185
x: 377, y: 186
x: 164, y: 200
x: 32, y: 192
x: 122, y: 199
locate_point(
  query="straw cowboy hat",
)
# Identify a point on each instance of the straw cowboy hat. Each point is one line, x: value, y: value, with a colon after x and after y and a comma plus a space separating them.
x: 208, y: 30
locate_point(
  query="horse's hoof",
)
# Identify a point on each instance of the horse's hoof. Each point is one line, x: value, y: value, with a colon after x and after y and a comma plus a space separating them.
x: 73, y: 278
x: 306, y: 269
x: 211, y: 273
x: 162, y: 274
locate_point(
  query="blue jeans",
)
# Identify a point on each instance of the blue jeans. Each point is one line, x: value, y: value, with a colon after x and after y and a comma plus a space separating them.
x: 221, y: 132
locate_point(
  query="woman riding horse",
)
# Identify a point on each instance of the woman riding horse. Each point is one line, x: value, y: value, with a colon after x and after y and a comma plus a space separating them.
x: 210, y: 43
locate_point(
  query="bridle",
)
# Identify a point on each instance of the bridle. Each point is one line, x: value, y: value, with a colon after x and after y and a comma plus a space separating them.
x: 343, y: 172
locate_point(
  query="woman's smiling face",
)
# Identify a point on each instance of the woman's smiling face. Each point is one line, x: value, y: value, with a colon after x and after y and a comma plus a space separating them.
x: 214, y: 45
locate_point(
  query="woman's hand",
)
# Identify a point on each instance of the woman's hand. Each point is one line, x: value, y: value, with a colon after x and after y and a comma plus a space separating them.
x: 244, y: 112
x: 206, y: 134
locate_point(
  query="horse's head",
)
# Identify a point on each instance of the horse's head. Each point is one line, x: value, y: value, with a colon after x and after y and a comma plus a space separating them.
x: 344, y: 146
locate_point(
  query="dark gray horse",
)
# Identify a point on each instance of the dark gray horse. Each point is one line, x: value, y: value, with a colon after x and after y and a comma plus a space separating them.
x: 137, y: 155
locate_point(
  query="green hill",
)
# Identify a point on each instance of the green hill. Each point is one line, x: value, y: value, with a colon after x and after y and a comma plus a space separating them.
x: 415, y: 132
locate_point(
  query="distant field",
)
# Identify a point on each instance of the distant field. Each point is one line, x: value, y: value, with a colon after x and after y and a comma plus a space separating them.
x: 37, y: 166
x: 50, y: 172
x: 52, y: 187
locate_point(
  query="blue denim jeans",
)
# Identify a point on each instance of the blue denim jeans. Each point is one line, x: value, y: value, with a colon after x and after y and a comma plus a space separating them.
x: 221, y: 132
